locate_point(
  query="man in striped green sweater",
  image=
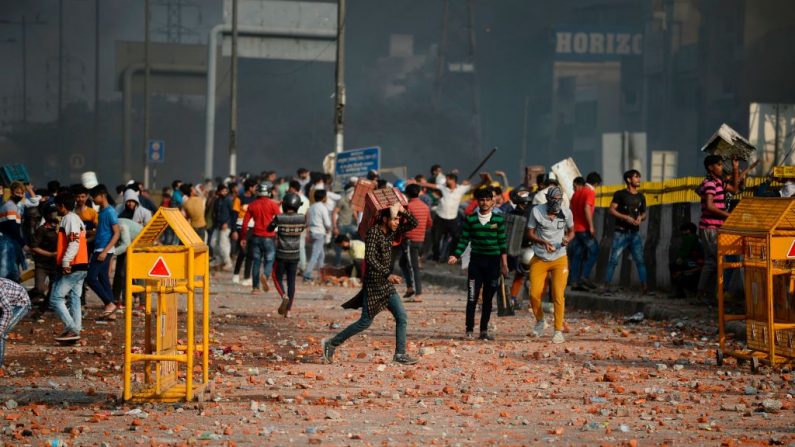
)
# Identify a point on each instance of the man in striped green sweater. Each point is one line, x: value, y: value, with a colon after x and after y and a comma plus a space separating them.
x: 486, y: 232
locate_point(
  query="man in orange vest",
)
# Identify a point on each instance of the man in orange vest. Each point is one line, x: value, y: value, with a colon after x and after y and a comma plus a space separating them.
x: 72, y: 259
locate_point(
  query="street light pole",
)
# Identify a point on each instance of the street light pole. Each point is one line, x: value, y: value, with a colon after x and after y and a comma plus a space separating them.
x: 233, y: 96
x: 60, y: 58
x: 146, y: 93
x: 24, y: 72
x: 339, y: 109
x: 96, y: 78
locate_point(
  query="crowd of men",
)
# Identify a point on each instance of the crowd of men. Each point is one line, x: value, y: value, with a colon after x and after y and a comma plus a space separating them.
x: 266, y: 229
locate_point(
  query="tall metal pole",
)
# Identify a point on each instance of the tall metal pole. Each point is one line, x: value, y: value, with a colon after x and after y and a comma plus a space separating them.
x: 233, y: 96
x: 339, y: 110
x: 60, y: 58
x: 146, y: 92
x: 24, y: 73
x: 216, y: 35
x: 524, y: 135
x: 775, y: 140
x: 96, y: 78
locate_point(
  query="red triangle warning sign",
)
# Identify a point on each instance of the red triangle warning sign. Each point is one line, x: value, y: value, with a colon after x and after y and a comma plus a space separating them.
x: 160, y: 269
x: 791, y: 252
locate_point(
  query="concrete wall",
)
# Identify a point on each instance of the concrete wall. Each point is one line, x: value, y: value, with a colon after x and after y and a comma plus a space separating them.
x: 660, y: 242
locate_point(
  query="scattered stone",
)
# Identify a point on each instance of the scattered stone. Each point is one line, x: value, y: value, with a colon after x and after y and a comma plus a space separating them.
x: 771, y: 405
x: 427, y: 350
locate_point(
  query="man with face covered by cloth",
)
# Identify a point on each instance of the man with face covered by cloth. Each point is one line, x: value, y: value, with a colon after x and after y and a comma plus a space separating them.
x: 550, y: 228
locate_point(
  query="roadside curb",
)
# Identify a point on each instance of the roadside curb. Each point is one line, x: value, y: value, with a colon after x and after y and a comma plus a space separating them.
x: 657, y: 309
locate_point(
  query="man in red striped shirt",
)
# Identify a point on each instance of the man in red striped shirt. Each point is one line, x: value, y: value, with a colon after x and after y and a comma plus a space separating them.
x: 713, y: 213
x: 412, y: 243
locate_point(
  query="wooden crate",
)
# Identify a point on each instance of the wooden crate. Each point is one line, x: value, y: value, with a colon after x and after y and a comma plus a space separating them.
x: 376, y: 201
x: 363, y: 187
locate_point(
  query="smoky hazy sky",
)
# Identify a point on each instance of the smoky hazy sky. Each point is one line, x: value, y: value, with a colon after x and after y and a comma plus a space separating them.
x: 118, y: 20
x: 399, y: 101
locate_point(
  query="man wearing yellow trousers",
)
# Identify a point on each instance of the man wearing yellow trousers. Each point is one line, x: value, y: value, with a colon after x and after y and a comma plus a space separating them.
x: 550, y: 228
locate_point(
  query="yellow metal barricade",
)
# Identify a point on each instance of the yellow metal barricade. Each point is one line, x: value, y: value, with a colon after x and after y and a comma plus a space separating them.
x: 163, y: 273
x: 759, y: 236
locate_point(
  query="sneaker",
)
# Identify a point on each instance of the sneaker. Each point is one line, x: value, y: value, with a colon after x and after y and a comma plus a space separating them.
x: 579, y: 288
x: 558, y: 337
x: 484, y: 335
x: 589, y: 284
x: 68, y: 336
x: 235, y: 279
x: 328, y: 351
x: 539, y: 328
x: 404, y: 359
x: 409, y: 293
x: 470, y: 335
x: 246, y: 282
x: 283, y: 307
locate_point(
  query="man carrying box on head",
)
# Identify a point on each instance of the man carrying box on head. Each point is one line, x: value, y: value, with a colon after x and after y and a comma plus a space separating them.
x: 378, y: 292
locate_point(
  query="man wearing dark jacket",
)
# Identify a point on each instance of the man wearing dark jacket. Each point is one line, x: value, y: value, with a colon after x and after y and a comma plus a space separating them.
x: 224, y: 220
x: 379, y: 292
x: 289, y: 228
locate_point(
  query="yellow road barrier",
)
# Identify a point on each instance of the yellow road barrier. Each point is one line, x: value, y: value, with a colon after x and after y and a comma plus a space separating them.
x: 161, y: 273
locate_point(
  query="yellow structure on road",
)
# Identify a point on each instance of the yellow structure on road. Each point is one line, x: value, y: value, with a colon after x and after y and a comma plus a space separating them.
x: 760, y: 236
x: 162, y: 273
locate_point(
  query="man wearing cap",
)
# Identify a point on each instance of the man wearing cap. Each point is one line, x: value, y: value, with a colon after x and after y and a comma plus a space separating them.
x: 550, y: 228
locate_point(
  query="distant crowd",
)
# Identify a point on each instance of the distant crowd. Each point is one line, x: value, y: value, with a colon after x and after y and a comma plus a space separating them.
x: 267, y: 228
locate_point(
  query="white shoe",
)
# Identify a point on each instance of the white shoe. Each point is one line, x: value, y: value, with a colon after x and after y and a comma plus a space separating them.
x: 246, y: 282
x: 558, y: 337
x: 539, y: 328
x: 235, y: 279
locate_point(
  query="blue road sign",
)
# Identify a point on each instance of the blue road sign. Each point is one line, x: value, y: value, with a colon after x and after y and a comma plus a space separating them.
x: 357, y: 163
x: 156, y: 151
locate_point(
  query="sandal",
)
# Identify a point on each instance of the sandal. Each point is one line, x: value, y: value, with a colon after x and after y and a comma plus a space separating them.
x: 106, y: 316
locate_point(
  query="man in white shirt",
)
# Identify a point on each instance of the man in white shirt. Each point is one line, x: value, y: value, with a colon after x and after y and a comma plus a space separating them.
x: 295, y: 188
x: 318, y: 223
x: 445, y: 222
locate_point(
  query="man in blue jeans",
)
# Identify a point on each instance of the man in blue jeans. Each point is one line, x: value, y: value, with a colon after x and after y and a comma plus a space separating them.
x: 263, y: 246
x: 318, y: 223
x: 14, y: 304
x: 72, y: 261
x: 98, y: 277
x: 584, y: 249
x: 379, y: 291
x: 629, y: 209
